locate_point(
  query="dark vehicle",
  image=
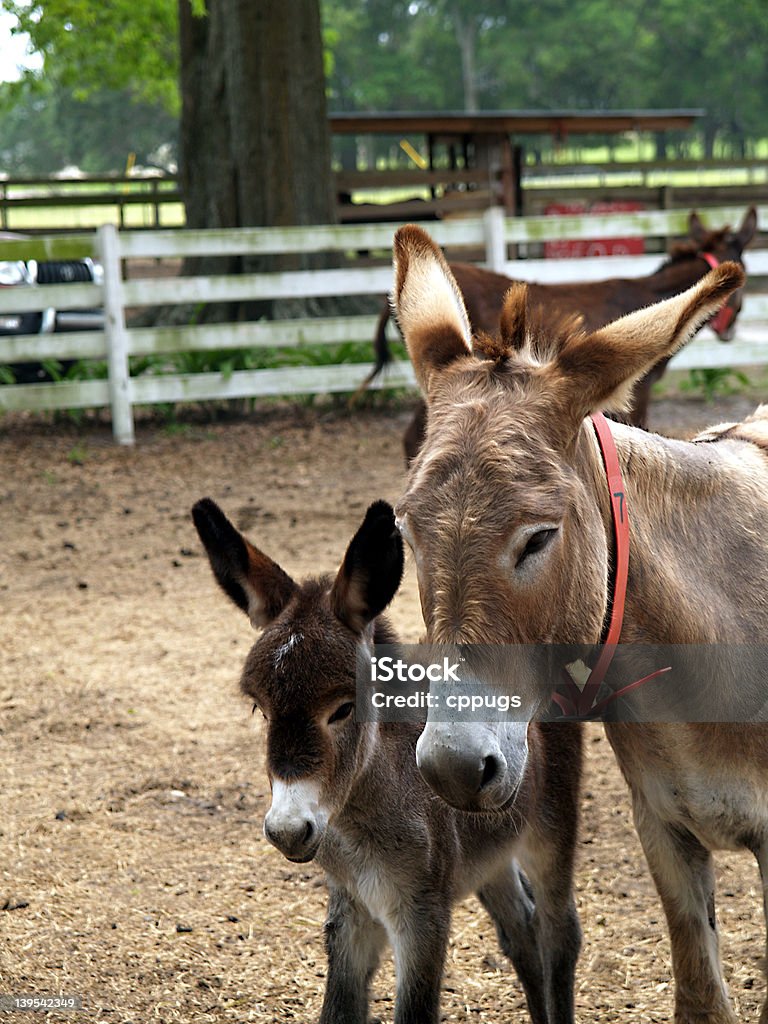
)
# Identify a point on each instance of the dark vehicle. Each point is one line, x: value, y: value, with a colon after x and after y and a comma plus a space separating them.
x: 31, y: 273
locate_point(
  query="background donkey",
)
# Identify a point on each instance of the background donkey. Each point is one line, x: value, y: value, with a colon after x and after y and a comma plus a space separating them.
x: 599, y: 302
x: 508, y: 513
x: 349, y: 793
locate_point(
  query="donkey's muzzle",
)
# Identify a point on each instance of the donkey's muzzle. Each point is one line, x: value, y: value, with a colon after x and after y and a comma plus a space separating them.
x: 298, y: 843
x: 466, y: 768
x: 295, y: 822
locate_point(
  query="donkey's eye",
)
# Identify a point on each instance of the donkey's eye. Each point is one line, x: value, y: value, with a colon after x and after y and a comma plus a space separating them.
x: 256, y: 708
x: 342, y: 711
x: 536, y: 542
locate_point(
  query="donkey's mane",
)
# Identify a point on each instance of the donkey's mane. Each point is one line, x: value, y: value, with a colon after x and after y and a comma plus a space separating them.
x: 310, y: 590
x: 546, y: 332
x: 311, y: 594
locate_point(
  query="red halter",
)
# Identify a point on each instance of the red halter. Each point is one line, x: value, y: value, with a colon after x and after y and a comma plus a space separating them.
x: 578, y: 702
x: 722, y: 319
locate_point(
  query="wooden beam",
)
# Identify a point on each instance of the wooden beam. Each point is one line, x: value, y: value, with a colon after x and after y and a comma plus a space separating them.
x: 519, y: 122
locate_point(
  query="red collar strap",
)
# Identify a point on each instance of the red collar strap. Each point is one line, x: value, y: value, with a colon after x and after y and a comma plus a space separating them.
x: 579, y: 699
x: 620, y: 524
x: 722, y: 319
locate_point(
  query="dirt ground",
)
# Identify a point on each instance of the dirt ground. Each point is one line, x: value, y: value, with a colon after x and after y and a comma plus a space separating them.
x: 132, y: 786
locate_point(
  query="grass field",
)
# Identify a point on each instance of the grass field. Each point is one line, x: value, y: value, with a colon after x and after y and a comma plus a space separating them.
x: 37, y: 205
x: 58, y: 218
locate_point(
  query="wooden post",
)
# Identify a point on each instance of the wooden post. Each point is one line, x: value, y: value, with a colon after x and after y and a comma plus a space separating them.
x: 507, y: 174
x: 518, y: 161
x: 431, y: 161
x: 156, y: 201
x: 666, y: 202
x: 108, y: 246
x: 495, y: 245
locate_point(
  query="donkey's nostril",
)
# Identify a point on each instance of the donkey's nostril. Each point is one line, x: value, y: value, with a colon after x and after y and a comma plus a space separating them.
x: 490, y: 771
x: 292, y: 839
x: 270, y: 833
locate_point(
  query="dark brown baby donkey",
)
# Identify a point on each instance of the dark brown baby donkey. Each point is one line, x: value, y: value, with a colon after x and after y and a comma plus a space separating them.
x: 349, y: 794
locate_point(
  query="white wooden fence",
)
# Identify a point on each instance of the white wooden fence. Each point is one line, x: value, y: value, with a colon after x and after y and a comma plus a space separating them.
x: 117, y: 342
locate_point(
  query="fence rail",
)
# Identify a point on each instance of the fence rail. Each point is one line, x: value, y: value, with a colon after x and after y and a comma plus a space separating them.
x: 146, y: 202
x: 117, y: 343
x: 146, y: 196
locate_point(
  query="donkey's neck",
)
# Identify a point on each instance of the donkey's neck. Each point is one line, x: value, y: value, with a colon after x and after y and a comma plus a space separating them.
x: 698, y: 552
x: 676, y: 275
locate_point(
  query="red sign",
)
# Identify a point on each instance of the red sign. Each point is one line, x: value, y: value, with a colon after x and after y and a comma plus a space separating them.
x: 593, y: 246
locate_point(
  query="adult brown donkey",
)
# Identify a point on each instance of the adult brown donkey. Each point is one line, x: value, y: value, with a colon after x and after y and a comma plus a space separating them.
x: 599, y: 302
x: 508, y: 514
x: 348, y: 793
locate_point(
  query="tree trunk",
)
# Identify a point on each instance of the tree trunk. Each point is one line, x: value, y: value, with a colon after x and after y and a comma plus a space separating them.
x: 254, y: 137
x: 709, y: 136
x: 466, y: 36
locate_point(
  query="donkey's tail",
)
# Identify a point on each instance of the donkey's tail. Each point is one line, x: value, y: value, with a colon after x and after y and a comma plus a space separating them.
x: 380, y: 350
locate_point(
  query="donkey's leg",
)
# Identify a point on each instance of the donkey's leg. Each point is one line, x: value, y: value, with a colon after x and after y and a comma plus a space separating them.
x: 683, y: 872
x: 419, y: 939
x: 549, y: 866
x: 353, y: 942
x: 511, y: 908
x: 762, y: 860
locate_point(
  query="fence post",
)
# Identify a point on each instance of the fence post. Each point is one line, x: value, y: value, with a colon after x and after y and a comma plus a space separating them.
x: 156, y: 203
x: 108, y: 244
x: 495, y: 246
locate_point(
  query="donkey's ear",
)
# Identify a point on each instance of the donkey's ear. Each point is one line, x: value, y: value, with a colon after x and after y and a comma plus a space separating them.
x: 746, y: 232
x: 371, y: 571
x: 600, y: 369
x: 514, y: 316
x: 253, y: 581
x: 428, y: 304
x: 696, y: 229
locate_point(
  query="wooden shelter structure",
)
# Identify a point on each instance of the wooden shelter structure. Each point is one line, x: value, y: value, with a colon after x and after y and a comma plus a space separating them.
x: 484, y: 149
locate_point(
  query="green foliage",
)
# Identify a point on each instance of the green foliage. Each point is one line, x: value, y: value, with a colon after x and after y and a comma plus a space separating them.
x: 82, y: 369
x: 714, y: 381
x: 109, y: 86
x: 224, y: 362
x: 229, y: 361
x: 95, y: 134
x: 390, y: 56
x: 399, y: 55
x: 594, y: 54
x: 119, y: 45
x: 78, y: 455
x: 172, y: 427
